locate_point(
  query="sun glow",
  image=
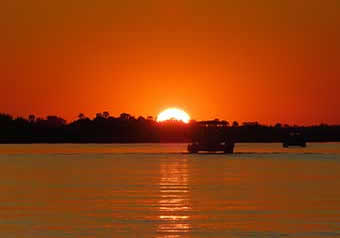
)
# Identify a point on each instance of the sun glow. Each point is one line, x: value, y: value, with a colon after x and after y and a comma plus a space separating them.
x: 173, y: 114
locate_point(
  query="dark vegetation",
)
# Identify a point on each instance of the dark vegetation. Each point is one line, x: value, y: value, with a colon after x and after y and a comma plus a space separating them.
x: 128, y: 129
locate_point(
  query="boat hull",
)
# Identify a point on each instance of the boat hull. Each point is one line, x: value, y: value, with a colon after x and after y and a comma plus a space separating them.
x: 227, y: 148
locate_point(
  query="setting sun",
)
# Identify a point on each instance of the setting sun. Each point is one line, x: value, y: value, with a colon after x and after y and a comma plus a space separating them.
x: 173, y: 114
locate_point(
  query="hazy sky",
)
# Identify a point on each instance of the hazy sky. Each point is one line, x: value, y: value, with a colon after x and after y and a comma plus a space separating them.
x: 271, y: 61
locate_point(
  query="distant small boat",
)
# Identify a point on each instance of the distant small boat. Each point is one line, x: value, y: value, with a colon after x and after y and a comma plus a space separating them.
x: 210, y: 137
x: 294, y: 139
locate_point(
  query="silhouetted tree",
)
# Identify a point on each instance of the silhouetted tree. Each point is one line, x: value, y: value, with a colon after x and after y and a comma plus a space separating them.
x: 81, y: 116
x: 140, y: 118
x: 106, y: 115
x: 251, y: 124
x: 5, y: 118
x: 235, y: 124
x: 226, y: 122
x: 278, y: 125
x: 126, y: 128
x: 54, y: 121
x: 125, y: 116
x: 31, y: 118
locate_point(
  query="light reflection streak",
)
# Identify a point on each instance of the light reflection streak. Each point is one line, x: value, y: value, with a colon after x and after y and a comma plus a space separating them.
x: 174, y: 202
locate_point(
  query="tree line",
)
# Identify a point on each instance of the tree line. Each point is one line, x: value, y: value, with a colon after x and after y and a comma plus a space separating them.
x: 104, y: 128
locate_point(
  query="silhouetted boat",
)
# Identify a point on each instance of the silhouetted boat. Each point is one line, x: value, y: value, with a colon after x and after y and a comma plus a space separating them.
x: 294, y: 139
x: 211, y: 136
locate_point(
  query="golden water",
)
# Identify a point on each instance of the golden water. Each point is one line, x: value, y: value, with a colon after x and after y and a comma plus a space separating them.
x: 157, y: 190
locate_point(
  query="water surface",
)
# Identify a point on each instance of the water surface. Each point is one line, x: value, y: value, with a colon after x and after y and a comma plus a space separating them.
x: 158, y: 190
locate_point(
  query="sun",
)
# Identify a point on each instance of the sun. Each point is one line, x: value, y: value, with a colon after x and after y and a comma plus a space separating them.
x: 173, y: 114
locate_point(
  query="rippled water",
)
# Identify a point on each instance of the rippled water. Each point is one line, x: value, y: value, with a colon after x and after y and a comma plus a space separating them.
x: 158, y: 190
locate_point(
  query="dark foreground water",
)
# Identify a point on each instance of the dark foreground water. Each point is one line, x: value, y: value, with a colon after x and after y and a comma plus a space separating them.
x: 157, y: 190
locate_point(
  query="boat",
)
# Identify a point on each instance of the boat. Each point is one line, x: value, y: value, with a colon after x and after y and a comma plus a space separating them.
x: 210, y: 136
x: 294, y: 139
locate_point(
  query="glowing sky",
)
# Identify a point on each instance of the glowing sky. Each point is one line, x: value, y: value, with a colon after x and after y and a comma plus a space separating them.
x: 271, y: 61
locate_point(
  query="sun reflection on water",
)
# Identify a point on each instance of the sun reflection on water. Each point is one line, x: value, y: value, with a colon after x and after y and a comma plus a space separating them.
x: 174, y: 202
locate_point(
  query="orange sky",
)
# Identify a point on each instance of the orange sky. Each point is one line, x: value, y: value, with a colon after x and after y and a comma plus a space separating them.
x: 250, y: 60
